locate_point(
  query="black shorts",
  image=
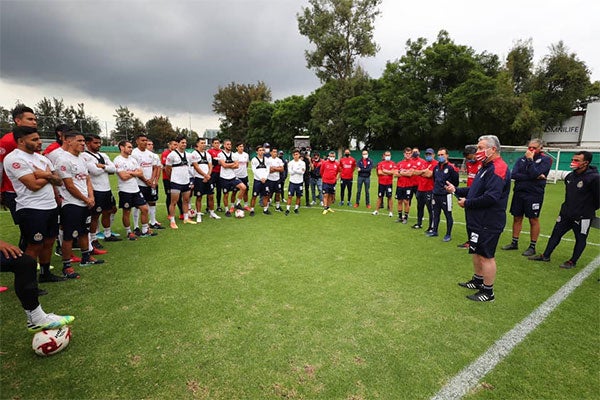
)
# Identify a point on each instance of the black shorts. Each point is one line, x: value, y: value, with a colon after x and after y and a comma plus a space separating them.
x: 384, y: 190
x: 483, y: 243
x: 229, y: 185
x: 245, y: 182
x: 103, y: 201
x: 260, y: 189
x: 167, y: 186
x: 295, y: 189
x: 404, y: 193
x: 201, y: 188
x: 328, y: 188
x: 274, y: 186
x: 130, y: 200
x: 525, y: 204
x: 75, y: 221
x: 9, y: 200
x: 178, y: 188
x: 37, y: 225
x: 149, y: 194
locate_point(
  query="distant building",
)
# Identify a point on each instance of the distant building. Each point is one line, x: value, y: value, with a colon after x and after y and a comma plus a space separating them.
x: 581, y: 130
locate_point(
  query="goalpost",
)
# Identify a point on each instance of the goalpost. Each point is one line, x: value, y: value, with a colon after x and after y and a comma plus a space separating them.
x: 511, y: 154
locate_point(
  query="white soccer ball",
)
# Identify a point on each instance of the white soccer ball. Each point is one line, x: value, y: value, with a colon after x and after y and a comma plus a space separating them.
x: 192, y: 213
x: 239, y: 213
x: 51, y: 341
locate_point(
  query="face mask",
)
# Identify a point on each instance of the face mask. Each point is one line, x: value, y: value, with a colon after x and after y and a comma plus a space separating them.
x: 575, y: 164
x: 267, y: 150
x: 331, y: 158
x: 388, y: 158
x: 472, y: 161
x: 481, y: 155
x: 415, y: 154
x: 441, y: 159
x: 365, y: 156
x: 428, y: 158
x: 347, y: 155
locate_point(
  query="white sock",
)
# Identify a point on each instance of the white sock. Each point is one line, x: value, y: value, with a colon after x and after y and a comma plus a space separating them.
x: 144, y: 228
x: 287, y: 207
x: 152, y: 214
x: 136, y: 217
x: 112, y: 219
x: 296, y: 207
x: 35, y: 316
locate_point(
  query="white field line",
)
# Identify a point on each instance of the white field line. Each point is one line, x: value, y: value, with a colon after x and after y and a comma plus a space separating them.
x: 469, y: 377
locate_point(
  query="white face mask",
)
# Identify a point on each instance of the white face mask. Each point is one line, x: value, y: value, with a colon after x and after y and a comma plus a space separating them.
x: 388, y: 158
x: 331, y: 158
x: 365, y: 156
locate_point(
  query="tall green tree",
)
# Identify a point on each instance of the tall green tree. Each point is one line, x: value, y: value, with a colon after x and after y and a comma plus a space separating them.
x: 260, y: 129
x: 160, y: 131
x: 86, y: 123
x: 52, y: 112
x: 6, y: 121
x: 290, y: 118
x: 342, y: 33
x: 127, y: 125
x: 232, y: 103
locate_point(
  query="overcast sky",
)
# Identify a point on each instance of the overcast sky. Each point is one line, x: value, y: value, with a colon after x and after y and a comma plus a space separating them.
x: 170, y: 57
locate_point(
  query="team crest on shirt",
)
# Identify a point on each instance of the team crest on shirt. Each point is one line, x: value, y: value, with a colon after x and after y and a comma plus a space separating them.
x: 445, y: 170
x: 75, y: 234
x: 16, y: 165
x: 126, y: 205
x: 579, y: 184
x: 2, y: 151
x: 63, y: 168
x: 539, y: 160
x: 98, y: 209
x: 558, y: 219
x: 38, y: 237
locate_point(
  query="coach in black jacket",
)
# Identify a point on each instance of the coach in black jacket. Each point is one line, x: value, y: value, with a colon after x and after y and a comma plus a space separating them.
x: 582, y: 199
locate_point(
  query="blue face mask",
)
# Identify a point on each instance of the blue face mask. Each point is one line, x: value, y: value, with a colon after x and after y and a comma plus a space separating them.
x: 441, y: 159
x: 472, y: 161
x: 428, y: 158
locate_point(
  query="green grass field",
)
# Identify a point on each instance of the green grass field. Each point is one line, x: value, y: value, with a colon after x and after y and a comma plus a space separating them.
x: 342, y: 306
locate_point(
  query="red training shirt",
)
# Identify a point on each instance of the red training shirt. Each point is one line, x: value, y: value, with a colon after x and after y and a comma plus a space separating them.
x: 7, y: 144
x: 348, y: 166
x: 330, y: 171
x: 387, y: 165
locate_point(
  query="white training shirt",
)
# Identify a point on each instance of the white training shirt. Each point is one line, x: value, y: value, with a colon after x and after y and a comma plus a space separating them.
x: 128, y: 164
x: 180, y: 174
x: 242, y: 158
x: 226, y: 173
x: 260, y: 173
x: 202, y: 159
x: 146, y: 160
x: 99, y: 176
x: 275, y: 162
x: 55, y: 155
x: 74, y: 167
x: 18, y: 164
x: 296, y: 171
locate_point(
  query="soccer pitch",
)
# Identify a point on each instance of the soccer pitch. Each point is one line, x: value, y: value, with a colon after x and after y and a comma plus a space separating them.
x: 339, y: 306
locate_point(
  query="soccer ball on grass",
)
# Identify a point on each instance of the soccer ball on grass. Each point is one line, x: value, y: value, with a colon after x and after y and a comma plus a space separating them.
x: 239, y: 213
x: 51, y: 341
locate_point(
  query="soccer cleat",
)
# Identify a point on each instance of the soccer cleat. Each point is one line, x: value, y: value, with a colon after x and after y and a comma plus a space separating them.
x: 92, y: 261
x: 287, y: 212
x: 149, y: 233
x: 355, y: 205
x: 51, y: 321
x: 278, y: 209
x: 431, y: 234
x: 368, y: 206
x: 214, y: 216
x: 100, y: 235
x: 75, y: 259
x: 539, y: 257
x: 98, y: 252
x: 399, y: 219
x: 49, y: 277
x: 252, y: 213
x: 132, y: 236
x: 198, y: 219
x: 157, y: 225
x: 137, y: 231
x: 173, y: 225
x: 511, y: 246
x: 228, y: 213
x: 567, y: 264
x: 219, y: 209
x: 416, y: 226
x: 41, y: 292
x: 96, y: 244
x: 296, y: 211
x: 529, y: 252
x: 189, y: 221
x: 331, y: 210
x: 464, y: 245
x: 481, y: 296
x: 447, y: 238
x: 181, y: 217
x: 325, y: 212
x: 375, y: 212
x: 471, y: 285
x: 267, y: 212
x: 391, y: 214
x: 69, y: 273
x: 246, y: 208
x: 341, y: 203
x: 405, y: 220
x: 349, y: 204
x: 112, y: 238
x: 312, y: 203
x: 58, y: 251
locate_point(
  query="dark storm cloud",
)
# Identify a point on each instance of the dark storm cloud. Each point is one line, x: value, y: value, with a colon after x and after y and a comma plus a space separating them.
x: 164, y: 56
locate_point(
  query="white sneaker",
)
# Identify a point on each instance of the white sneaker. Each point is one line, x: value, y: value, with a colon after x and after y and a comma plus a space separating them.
x: 215, y: 216
x: 199, y: 218
x: 321, y: 204
x: 375, y: 212
x: 312, y: 203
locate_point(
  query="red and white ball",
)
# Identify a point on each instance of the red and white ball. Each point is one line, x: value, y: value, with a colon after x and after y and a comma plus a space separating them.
x: 51, y: 341
x: 239, y: 214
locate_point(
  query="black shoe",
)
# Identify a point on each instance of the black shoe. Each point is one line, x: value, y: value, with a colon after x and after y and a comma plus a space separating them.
x: 481, y: 296
x: 539, y: 257
x: 137, y: 232
x: 157, y: 226
x: 405, y: 220
x: 228, y: 213
x: 219, y: 209
x: 287, y: 212
x: 567, y: 264
x: 416, y: 226
x: 112, y: 238
x: 399, y: 220
x: 41, y: 292
x: 471, y: 285
x: 464, y: 245
x: 529, y: 252
x: 49, y: 277
x: 58, y: 251
x: 267, y: 212
x: 296, y: 211
x: 278, y: 209
x: 252, y: 213
x: 96, y: 244
x: 511, y: 246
